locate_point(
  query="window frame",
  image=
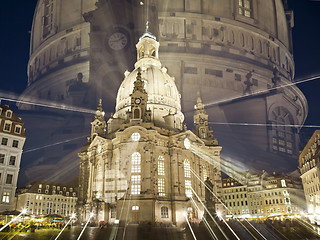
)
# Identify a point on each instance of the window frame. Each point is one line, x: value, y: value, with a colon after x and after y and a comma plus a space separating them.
x: 11, y: 178
x: 14, y: 159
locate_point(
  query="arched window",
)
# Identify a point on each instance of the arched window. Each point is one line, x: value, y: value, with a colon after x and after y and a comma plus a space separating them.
x: 187, y: 176
x: 245, y: 8
x: 135, y: 170
x: 164, y: 212
x: 136, y: 113
x: 136, y: 162
x: 161, y: 173
x: 161, y: 169
x: 186, y: 164
x: 283, y: 137
x: 205, y: 173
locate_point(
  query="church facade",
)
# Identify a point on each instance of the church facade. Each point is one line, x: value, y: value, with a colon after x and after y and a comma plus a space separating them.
x: 137, y: 167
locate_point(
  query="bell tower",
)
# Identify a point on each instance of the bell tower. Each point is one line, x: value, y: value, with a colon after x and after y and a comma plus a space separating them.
x: 98, y: 126
x: 139, y: 98
x: 200, y: 119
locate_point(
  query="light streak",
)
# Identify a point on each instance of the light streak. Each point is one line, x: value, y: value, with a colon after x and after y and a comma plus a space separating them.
x: 9, y: 98
x: 213, y: 235
x: 194, y: 236
x: 265, y: 125
x: 73, y: 216
x: 209, y: 214
x: 220, y: 217
x: 263, y: 91
x: 53, y: 144
x: 125, y: 226
x: 24, y: 211
x: 85, y: 226
x: 195, y: 174
x: 231, y: 168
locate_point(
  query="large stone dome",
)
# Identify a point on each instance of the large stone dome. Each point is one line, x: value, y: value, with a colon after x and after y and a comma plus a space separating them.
x: 163, y: 95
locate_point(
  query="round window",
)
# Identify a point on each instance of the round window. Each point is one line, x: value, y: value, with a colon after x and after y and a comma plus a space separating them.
x: 135, y: 137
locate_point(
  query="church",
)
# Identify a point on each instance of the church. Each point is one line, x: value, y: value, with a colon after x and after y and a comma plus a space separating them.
x: 137, y: 166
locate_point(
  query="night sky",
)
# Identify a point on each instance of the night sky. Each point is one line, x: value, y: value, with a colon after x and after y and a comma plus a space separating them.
x: 16, y: 20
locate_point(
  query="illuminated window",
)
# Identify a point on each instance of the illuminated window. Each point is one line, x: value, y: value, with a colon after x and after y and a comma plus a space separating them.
x: 6, y: 197
x: 135, y: 208
x: 161, y: 170
x: 135, y: 184
x: 283, y: 183
x: 135, y: 137
x: 245, y: 8
x: 161, y: 187
x: 135, y: 163
x: 187, y: 171
x: 49, y: 207
x: 164, y: 212
x: 188, y: 188
x: 205, y: 173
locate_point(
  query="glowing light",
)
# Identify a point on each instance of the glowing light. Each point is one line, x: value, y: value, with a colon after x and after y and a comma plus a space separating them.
x: 116, y: 221
x: 14, y: 219
x: 219, y: 214
x: 85, y: 226
x: 264, y: 124
x: 187, y: 143
x: 54, y: 144
x: 194, y: 236
x: 47, y: 105
x: 72, y: 216
x: 263, y: 91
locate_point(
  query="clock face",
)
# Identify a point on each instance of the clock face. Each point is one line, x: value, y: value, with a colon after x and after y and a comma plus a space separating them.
x: 137, y: 100
x: 118, y: 41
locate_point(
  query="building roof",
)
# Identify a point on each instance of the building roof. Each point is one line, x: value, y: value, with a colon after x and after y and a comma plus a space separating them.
x: 6, y: 114
x: 50, y: 188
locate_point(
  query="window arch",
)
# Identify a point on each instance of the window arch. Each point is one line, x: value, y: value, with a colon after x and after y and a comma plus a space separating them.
x: 135, y: 170
x: 164, y: 212
x: 136, y: 113
x: 161, y: 179
x: 136, y: 162
x: 205, y: 172
x: 161, y: 169
x: 187, y: 168
x: 187, y: 176
x: 283, y: 136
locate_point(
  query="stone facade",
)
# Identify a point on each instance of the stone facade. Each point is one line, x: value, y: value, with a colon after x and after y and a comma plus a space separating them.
x: 140, y: 169
x: 227, y: 50
x: 12, y: 137
x: 45, y: 198
x: 264, y: 194
x: 309, y: 168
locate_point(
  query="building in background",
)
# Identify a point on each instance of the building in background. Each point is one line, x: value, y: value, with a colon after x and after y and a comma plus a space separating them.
x: 12, y: 137
x: 44, y: 198
x: 143, y: 169
x: 264, y: 195
x: 309, y: 167
x: 227, y: 50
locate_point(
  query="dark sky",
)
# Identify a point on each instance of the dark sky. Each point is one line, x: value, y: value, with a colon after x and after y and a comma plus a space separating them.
x: 16, y: 20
